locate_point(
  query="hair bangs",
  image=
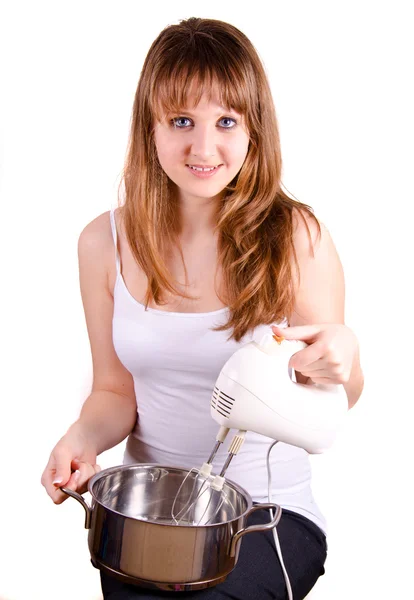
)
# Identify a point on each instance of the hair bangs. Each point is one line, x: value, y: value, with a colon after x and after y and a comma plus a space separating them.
x: 183, y: 85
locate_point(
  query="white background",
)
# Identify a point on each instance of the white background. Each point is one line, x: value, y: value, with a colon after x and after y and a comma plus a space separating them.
x: 341, y: 76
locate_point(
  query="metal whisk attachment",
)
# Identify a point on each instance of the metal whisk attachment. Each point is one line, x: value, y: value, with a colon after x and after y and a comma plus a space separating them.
x: 201, y: 495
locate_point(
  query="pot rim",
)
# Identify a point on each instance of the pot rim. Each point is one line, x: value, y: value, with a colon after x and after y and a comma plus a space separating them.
x: 134, y: 466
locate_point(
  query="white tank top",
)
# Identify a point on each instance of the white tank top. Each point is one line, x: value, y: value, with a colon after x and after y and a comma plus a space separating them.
x: 175, y: 359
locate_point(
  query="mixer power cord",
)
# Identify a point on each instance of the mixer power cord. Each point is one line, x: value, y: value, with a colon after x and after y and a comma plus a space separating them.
x: 274, y: 531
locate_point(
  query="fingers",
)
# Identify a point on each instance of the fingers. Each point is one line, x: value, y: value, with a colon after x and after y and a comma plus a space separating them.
x: 64, y: 471
x: 78, y: 481
x: 318, y: 365
x: 302, y: 359
x: 61, y: 470
x: 57, y: 473
x: 323, y: 380
x: 86, y: 471
x: 58, y: 496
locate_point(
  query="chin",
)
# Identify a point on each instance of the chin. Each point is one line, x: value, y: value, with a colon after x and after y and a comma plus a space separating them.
x: 205, y: 192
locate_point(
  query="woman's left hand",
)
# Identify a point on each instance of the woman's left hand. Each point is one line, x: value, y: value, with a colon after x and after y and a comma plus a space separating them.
x: 330, y: 353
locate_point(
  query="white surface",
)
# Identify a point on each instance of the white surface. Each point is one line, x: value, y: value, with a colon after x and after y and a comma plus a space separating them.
x: 340, y: 77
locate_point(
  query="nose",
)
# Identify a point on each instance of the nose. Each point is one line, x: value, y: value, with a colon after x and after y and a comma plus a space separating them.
x: 203, y: 142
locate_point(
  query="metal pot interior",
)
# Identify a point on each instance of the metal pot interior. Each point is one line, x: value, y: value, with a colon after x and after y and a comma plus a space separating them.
x: 147, y: 492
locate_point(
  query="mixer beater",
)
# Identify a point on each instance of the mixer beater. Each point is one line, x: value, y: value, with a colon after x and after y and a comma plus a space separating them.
x: 201, y: 504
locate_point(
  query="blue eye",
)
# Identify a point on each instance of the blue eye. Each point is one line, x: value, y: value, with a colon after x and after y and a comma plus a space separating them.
x: 177, y: 125
x: 229, y: 119
x: 176, y: 120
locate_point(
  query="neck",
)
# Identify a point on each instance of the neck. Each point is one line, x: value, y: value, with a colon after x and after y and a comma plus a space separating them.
x: 198, y: 218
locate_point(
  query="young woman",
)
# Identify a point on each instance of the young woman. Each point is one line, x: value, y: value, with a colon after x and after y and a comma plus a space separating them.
x: 205, y: 253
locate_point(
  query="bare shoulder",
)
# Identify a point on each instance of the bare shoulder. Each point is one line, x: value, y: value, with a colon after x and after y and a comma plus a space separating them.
x: 319, y: 290
x: 96, y: 248
x: 96, y: 236
x: 308, y: 233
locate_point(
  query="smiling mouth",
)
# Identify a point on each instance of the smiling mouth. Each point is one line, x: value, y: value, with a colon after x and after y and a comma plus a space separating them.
x: 203, y: 169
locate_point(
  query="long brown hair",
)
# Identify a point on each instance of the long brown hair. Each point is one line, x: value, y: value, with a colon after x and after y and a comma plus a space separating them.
x: 255, y: 218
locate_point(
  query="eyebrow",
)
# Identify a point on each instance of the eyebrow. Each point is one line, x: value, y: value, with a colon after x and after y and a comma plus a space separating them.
x: 216, y: 114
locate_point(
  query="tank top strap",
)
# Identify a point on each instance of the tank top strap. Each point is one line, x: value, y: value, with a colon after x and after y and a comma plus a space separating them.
x: 115, y: 237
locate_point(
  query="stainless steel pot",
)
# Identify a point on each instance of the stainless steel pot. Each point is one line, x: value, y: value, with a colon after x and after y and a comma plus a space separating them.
x: 132, y: 535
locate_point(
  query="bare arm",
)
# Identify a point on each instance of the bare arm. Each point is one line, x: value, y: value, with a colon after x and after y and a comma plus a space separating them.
x: 320, y: 294
x: 106, y: 419
x: 109, y: 413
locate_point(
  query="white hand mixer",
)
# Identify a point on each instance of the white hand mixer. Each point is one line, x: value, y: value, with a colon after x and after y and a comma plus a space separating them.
x: 254, y: 392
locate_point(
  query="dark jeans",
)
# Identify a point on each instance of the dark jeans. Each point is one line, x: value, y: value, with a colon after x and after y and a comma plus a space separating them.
x: 257, y: 574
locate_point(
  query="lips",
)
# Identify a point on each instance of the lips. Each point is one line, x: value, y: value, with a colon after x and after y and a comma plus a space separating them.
x: 198, y: 172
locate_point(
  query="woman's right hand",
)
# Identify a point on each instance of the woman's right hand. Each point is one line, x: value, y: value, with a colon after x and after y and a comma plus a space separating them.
x: 71, y: 464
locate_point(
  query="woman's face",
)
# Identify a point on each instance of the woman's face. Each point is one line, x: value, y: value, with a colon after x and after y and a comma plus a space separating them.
x: 207, y: 135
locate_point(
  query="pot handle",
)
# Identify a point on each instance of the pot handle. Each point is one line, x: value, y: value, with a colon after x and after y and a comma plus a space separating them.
x: 78, y: 497
x: 236, y: 537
